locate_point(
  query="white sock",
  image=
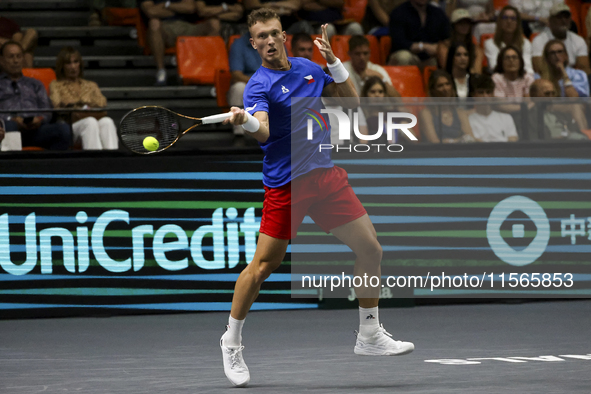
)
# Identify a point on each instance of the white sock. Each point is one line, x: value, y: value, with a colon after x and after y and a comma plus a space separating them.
x: 233, y: 336
x: 369, y: 321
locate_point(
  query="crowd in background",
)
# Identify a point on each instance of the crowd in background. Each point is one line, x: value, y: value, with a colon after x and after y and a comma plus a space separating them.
x: 528, y: 48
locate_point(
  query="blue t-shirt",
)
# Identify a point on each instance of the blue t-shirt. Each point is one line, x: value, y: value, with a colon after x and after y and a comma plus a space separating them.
x: 271, y: 91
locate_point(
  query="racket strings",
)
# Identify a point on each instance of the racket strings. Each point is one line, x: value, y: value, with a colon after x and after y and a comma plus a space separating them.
x: 149, y: 122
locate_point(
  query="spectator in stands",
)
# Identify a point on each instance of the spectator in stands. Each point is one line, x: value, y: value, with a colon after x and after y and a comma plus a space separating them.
x: 11, y: 31
x: 287, y: 11
x: 555, y: 68
x: 374, y: 88
x: 93, y: 130
x: 99, y: 9
x: 534, y: 14
x: 488, y: 125
x: 461, y: 33
x: 169, y: 19
x: 416, y: 27
x: 227, y: 13
x: 482, y: 13
x: 567, y: 81
x: 302, y: 45
x: 509, y: 32
x: 458, y: 66
x: 557, y: 124
x: 319, y: 12
x: 18, y: 93
x: 244, y: 61
x: 377, y: 16
x: 453, y: 121
x: 510, y: 77
x: 360, y: 68
x: 559, y: 22
x: 376, y: 105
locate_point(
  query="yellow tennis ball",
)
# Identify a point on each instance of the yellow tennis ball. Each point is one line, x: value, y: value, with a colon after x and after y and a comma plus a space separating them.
x: 151, y: 143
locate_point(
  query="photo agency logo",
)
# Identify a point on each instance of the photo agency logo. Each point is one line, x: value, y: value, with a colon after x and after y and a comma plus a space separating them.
x: 407, y: 120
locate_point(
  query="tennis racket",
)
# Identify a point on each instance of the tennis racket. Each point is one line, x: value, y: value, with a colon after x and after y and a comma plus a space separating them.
x: 160, y: 123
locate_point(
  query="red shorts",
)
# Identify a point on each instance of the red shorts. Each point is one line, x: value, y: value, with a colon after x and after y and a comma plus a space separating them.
x: 324, y: 194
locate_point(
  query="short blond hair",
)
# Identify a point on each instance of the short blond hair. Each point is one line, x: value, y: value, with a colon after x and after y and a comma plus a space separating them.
x: 261, y: 15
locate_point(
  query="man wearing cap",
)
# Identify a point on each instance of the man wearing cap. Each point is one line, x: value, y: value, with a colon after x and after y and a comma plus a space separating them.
x: 416, y: 27
x: 558, y: 28
x: 461, y: 33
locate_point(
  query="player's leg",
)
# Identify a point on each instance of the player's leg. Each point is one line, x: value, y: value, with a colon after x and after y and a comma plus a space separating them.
x: 268, y: 256
x: 372, y: 339
x: 361, y: 237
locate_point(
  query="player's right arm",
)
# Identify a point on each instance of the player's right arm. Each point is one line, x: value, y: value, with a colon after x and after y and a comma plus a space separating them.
x: 240, y: 117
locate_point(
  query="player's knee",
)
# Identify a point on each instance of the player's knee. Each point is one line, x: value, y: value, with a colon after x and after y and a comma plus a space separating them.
x: 371, y: 250
x: 264, y: 269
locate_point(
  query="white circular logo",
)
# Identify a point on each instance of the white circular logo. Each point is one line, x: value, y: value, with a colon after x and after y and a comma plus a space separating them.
x: 498, y: 245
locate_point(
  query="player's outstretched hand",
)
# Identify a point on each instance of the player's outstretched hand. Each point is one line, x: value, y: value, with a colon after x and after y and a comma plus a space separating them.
x: 237, y: 118
x: 324, y: 46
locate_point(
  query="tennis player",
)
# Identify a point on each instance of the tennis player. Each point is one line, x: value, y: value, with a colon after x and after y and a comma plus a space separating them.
x: 319, y: 188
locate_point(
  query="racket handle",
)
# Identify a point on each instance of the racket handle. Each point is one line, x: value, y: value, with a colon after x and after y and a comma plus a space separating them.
x: 216, y: 118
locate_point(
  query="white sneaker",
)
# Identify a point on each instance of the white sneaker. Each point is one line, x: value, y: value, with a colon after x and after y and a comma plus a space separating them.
x: 381, y: 344
x: 161, y: 78
x: 234, y: 366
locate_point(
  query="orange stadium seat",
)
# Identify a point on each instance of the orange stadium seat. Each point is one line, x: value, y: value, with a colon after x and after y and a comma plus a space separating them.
x: 575, y: 10
x: 499, y: 4
x: 316, y: 55
x: 426, y: 75
x: 385, y: 46
x: 407, y: 80
x: 45, y: 75
x: 222, y: 85
x: 354, y: 9
x: 288, y: 44
x: 115, y: 16
x: 198, y: 58
x: 340, y: 47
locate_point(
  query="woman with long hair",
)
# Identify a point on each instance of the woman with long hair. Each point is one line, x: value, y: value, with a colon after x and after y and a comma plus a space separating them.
x: 510, y: 77
x: 458, y: 66
x: 568, y: 81
x: 94, y: 130
x: 453, y: 121
x: 461, y: 34
x: 509, y: 32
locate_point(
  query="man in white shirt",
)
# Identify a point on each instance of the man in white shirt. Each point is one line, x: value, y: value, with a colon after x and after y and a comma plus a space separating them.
x: 558, y: 28
x: 360, y: 68
x: 488, y: 125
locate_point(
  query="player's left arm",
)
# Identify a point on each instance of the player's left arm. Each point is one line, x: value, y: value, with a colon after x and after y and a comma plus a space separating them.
x: 342, y: 88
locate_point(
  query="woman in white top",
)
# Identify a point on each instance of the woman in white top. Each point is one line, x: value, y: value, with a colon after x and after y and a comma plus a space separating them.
x: 458, y: 65
x: 509, y: 32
